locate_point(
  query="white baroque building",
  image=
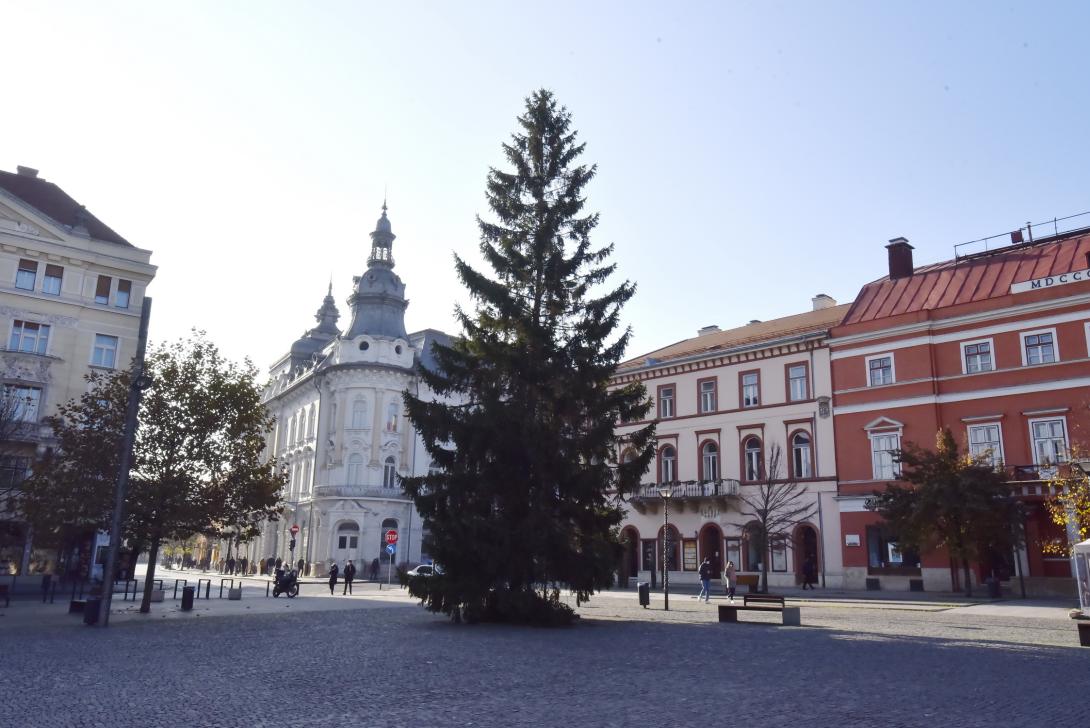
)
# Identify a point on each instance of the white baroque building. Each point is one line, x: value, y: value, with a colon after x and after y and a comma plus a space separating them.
x: 341, y: 430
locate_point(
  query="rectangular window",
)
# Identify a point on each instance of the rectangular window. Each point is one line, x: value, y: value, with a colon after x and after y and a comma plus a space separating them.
x: 52, y: 282
x: 124, y: 292
x: 102, y: 290
x: 707, y: 395
x: 105, y: 351
x: 353, y: 542
x: 977, y: 357
x: 882, y: 447
x: 342, y: 542
x: 27, y: 275
x: 779, y: 554
x: 751, y: 389
x: 1049, y: 441
x: 885, y: 556
x: 22, y: 402
x: 29, y: 337
x: 797, y: 385
x: 1039, y: 347
x: 666, y: 402
x: 985, y: 444
x: 879, y: 370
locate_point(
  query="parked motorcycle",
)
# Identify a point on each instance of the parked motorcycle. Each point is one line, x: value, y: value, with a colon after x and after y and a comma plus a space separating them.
x: 286, y: 583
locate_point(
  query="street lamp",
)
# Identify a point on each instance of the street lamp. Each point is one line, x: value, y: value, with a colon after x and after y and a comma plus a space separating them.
x: 665, y: 493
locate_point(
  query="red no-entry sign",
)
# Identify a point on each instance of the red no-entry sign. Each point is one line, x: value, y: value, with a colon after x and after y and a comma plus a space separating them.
x: 294, y: 529
x: 391, y: 536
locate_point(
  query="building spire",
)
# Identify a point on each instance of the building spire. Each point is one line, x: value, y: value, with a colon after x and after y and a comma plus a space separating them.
x: 382, y: 243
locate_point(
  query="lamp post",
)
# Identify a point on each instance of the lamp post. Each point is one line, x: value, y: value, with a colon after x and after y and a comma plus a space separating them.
x: 665, y: 493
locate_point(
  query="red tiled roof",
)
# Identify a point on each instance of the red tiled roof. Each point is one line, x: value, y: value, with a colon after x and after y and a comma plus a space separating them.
x: 966, y: 280
x: 51, y: 200
x: 795, y: 325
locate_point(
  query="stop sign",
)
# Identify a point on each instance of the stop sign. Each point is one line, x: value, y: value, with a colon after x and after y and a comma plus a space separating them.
x: 294, y: 529
x: 391, y: 536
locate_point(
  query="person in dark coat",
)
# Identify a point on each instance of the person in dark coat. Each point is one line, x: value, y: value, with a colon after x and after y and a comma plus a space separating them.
x: 349, y: 575
x: 809, y: 573
x: 333, y: 571
x: 278, y: 563
x: 705, y: 580
x: 374, y: 569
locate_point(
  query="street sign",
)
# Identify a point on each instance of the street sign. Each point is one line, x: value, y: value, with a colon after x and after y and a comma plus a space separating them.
x: 391, y: 536
x: 391, y: 548
x: 294, y: 529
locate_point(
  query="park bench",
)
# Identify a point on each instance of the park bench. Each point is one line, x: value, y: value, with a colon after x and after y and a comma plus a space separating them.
x: 750, y: 580
x: 5, y: 592
x: 761, y: 603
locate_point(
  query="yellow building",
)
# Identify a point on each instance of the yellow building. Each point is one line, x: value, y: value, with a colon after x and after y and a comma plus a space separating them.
x: 71, y: 290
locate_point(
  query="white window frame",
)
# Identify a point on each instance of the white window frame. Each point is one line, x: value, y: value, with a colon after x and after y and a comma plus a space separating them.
x: 707, y: 396
x: 894, y: 465
x: 965, y: 360
x: 808, y: 463
x: 892, y: 368
x: 46, y: 278
x: 354, y: 468
x: 672, y: 476
x: 15, y: 324
x: 709, y: 459
x: 663, y: 400
x: 24, y: 412
x: 1086, y: 327
x: 1055, y: 345
x: 393, y: 416
x: 359, y: 407
x: 998, y: 457
x: 747, y: 401
x: 751, y: 459
x: 116, y: 350
x: 805, y: 379
x: 389, y: 472
x: 1067, y: 436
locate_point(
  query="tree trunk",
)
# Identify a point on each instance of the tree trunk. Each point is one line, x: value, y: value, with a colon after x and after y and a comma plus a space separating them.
x: 968, y: 577
x: 149, y: 577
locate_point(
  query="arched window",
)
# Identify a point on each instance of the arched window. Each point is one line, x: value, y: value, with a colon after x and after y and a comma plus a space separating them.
x: 304, y: 424
x: 348, y: 536
x: 709, y: 460
x: 291, y: 430
x: 304, y: 484
x: 753, y: 551
x: 752, y: 457
x: 355, y: 469
x: 628, y: 455
x: 800, y: 455
x: 313, y: 420
x: 668, y: 464
x: 673, y: 549
x: 389, y: 473
x: 359, y: 414
x: 391, y: 417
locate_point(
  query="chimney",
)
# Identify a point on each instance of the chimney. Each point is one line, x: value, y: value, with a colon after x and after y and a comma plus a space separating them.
x: 753, y: 321
x: 708, y: 330
x: 823, y: 300
x: 900, y: 258
x: 26, y: 171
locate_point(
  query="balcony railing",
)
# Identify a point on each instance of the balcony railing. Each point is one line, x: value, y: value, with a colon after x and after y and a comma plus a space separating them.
x: 1032, y: 480
x: 690, y: 489
x: 357, y: 491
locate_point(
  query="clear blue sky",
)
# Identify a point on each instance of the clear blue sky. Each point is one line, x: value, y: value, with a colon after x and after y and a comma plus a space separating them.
x: 750, y: 155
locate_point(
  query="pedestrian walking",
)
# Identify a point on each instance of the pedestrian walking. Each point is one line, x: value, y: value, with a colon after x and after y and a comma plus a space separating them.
x: 705, y: 579
x: 279, y: 563
x: 333, y: 571
x: 809, y: 573
x: 245, y: 566
x: 301, y: 563
x: 374, y: 569
x: 729, y: 577
x: 349, y: 575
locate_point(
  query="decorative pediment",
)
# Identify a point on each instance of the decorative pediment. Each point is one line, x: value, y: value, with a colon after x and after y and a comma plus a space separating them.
x: 884, y: 423
x: 16, y: 222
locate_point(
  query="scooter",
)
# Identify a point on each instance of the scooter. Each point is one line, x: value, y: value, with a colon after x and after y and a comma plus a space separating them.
x: 286, y: 583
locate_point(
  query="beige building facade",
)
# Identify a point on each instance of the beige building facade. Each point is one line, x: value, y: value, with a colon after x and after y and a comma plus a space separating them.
x: 71, y: 291
x: 725, y: 401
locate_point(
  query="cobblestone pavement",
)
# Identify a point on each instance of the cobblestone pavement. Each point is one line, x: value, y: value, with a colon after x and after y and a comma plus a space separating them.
x: 393, y: 664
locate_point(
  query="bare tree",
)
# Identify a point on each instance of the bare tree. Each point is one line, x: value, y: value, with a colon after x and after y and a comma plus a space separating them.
x: 775, y: 504
x: 17, y: 429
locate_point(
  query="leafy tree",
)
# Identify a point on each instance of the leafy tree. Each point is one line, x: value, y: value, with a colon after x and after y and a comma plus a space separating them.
x: 775, y: 505
x: 953, y: 502
x: 1070, y: 506
x: 197, y: 463
x: 522, y: 423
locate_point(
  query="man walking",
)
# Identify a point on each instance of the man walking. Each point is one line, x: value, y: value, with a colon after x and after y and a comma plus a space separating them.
x: 349, y: 575
x: 705, y: 579
x: 374, y: 569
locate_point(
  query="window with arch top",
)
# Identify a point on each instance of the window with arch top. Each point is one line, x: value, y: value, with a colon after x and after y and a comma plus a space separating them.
x: 801, y: 456
x: 709, y: 461
x: 359, y: 414
x: 752, y: 457
x: 668, y: 464
x: 355, y: 469
x: 391, y: 417
x: 389, y: 473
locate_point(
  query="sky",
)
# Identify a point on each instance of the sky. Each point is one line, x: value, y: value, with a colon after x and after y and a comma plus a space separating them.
x: 750, y: 154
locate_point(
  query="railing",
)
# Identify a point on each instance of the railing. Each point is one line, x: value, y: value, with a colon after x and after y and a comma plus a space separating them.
x: 691, y: 489
x: 356, y: 491
x: 1034, y: 479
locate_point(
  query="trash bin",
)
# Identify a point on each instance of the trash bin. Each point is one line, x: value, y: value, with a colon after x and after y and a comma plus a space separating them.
x: 90, y: 611
x: 645, y: 593
x: 187, y: 598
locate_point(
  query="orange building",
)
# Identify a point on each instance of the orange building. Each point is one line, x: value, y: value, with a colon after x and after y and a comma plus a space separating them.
x: 995, y: 346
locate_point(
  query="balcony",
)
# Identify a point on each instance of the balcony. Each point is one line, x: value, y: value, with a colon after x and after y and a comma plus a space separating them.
x: 358, y: 491
x: 1033, y: 480
x: 694, y: 493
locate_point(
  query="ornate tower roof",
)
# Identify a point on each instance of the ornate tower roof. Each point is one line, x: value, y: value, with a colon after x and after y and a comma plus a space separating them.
x: 378, y: 302
x: 315, y: 339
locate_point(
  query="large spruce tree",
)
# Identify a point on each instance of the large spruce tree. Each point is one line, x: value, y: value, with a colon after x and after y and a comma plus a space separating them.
x: 528, y: 499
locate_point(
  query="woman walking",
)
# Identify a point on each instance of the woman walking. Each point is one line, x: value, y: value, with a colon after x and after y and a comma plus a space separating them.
x: 729, y: 575
x: 333, y: 571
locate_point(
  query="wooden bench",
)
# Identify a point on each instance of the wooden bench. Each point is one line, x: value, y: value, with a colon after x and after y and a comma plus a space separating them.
x: 750, y: 580
x: 761, y: 603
